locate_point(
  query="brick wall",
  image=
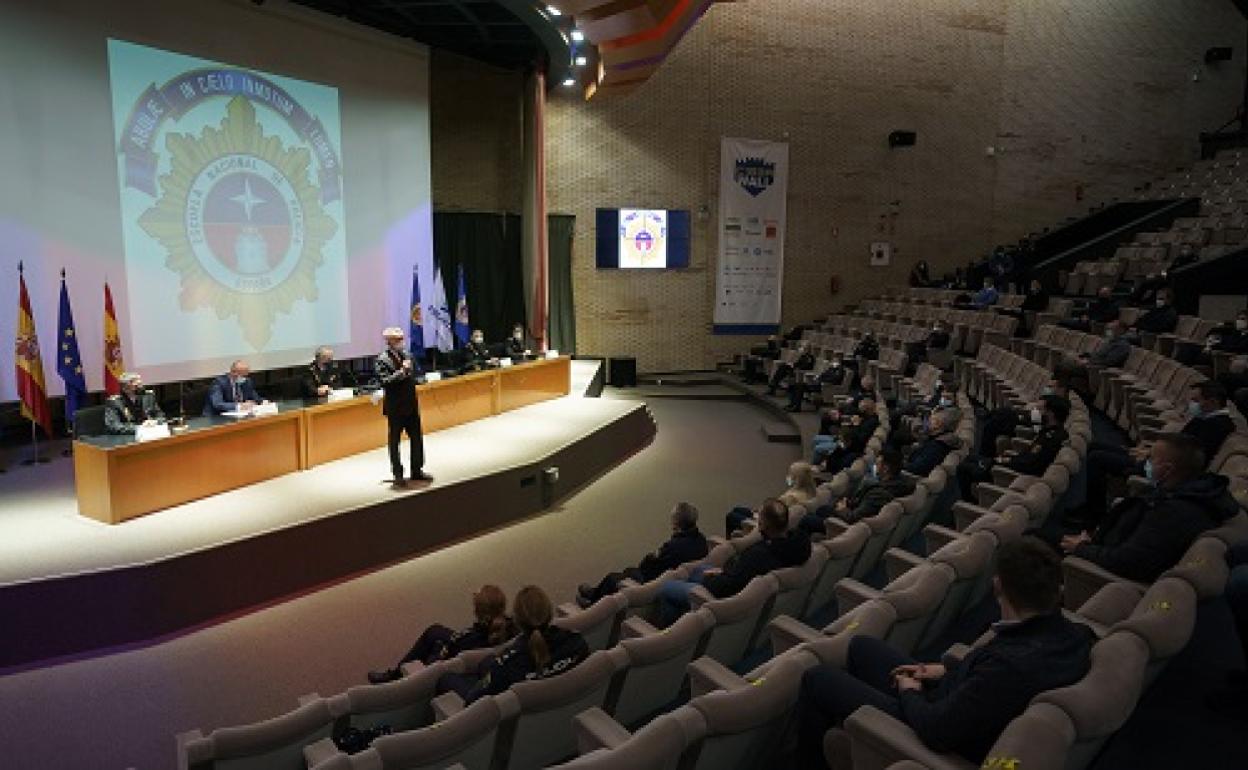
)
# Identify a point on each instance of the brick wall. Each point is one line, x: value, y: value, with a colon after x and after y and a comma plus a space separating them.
x: 1072, y: 93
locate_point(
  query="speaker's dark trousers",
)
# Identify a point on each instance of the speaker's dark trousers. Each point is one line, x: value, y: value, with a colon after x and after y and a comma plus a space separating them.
x: 411, y: 424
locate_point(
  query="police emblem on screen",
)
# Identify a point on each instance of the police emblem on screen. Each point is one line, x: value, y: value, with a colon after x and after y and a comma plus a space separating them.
x: 242, y: 221
x: 755, y: 175
x: 643, y: 238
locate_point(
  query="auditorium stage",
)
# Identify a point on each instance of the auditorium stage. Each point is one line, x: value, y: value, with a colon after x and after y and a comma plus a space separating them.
x: 70, y: 585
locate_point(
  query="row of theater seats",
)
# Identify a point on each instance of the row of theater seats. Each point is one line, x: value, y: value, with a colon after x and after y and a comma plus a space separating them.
x: 634, y: 670
x: 969, y: 328
x: 923, y: 596
x: 1221, y: 227
x: 944, y: 297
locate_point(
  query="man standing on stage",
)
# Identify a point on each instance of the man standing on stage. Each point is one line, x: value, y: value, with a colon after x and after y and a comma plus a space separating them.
x: 398, y: 374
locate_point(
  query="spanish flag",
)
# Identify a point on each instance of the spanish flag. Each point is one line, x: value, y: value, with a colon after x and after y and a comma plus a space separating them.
x: 30, y: 388
x: 113, y: 363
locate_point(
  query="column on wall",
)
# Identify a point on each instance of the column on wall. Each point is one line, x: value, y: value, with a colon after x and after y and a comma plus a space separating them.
x: 535, y: 250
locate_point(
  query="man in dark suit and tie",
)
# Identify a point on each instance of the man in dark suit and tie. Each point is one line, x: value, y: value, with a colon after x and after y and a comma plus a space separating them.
x: 232, y: 392
x: 398, y: 373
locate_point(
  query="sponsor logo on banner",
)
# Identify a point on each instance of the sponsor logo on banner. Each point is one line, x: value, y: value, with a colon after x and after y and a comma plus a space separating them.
x: 755, y: 175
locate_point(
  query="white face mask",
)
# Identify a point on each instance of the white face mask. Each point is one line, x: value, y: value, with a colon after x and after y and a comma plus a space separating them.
x: 477, y: 340
x: 788, y: 481
x: 1036, y: 417
x: 1241, y: 324
x: 518, y: 336
x: 1161, y: 302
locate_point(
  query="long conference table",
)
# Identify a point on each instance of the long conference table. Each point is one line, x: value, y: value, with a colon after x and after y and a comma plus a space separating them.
x: 118, y: 478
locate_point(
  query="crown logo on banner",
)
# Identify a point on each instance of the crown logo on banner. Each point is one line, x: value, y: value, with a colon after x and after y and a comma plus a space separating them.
x: 755, y: 175
x: 241, y: 220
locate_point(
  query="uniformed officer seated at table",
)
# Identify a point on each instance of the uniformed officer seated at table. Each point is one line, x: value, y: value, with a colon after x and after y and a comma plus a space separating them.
x: 134, y: 406
x: 517, y: 347
x: 322, y: 374
x: 232, y: 392
x: 477, y: 353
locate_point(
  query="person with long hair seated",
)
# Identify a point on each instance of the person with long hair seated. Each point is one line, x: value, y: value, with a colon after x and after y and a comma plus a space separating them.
x: 539, y: 651
x: 799, y: 490
x: 491, y: 628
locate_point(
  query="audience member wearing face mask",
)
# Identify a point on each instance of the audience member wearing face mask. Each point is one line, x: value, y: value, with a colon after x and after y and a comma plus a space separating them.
x: 1209, y: 424
x: 1143, y: 536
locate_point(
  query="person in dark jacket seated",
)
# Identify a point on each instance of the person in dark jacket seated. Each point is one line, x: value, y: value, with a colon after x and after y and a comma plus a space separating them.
x: 961, y: 709
x: 868, y: 348
x: 437, y: 642
x: 1231, y: 337
x: 1031, y: 462
x: 834, y: 419
x: 686, y: 544
x: 937, y: 339
x: 1113, y: 352
x: 1210, y: 424
x: 778, y: 548
x: 919, y: 277
x: 1006, y: 420
x: 853, y: 437
x: 804, y: 363
x: 754, y: 367
x: 232, y: 392
x: 882, y: 484
x: 516, y: 347
x: 987, y: 296
x: 1102, y: 310
x: 1144, y: 536
x: 133, y: 407
x: 1161, y: 319
x: 935, y: 446
x: 539, y: 651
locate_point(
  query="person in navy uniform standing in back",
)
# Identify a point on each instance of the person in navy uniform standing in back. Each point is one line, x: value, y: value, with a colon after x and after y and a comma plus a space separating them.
x: 398, y: 373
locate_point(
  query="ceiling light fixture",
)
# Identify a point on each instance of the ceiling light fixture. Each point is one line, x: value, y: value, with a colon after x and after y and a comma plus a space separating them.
x: 578, y: 36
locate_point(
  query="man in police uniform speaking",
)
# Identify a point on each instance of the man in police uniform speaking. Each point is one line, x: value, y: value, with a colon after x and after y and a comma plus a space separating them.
x: 398, y: 374
x: 124, y: 413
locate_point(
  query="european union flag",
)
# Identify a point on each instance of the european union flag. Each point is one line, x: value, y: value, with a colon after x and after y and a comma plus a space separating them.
x: 68, y: 361
x: 462, y: 329
x: 416, y: 343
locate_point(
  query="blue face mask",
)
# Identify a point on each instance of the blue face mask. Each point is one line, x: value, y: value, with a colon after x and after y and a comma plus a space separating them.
x: 870, y: 474
x: 1193, y: 409
x: 1148, y: 472
x: 1046, y: 391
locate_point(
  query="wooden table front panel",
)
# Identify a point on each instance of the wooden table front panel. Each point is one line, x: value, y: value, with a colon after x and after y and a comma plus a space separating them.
x: 526, y: 384
x: 152, y: 476
x: 342, y: 429
x: 447, y: 403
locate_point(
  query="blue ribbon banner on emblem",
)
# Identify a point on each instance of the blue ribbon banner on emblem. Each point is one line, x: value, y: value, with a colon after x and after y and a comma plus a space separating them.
x: 178, y: 96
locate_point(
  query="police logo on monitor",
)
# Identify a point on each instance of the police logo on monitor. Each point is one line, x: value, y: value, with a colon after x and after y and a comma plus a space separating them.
x: 643, y: 238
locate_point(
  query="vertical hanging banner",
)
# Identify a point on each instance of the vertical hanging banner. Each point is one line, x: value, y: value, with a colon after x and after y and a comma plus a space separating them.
x: 753, y: 190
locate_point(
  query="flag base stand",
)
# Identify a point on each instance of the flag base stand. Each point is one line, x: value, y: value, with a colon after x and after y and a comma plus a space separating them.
x: 36, y: 458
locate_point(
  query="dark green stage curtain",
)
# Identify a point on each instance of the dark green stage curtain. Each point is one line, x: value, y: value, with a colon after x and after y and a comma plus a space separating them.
x: 488, y: 245
x: 562, y: 321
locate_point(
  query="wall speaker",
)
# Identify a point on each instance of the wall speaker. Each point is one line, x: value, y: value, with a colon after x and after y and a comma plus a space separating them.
x: 902, y: 139
x: 1218, y: 54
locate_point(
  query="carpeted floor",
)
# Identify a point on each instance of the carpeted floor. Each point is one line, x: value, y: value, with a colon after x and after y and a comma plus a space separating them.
x: 123, y: 710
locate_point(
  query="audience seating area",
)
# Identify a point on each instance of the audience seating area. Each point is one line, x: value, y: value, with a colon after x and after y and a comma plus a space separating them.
x: 718, y: 688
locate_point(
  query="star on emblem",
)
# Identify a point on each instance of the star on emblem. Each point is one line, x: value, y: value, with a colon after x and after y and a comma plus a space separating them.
x: 247, y: 199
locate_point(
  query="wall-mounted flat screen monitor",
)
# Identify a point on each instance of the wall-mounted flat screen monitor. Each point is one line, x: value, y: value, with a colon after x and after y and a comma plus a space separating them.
x: 653, y: 239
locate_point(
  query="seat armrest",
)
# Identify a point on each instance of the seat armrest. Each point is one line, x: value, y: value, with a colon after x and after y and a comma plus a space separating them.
x: 708, y: 675
x: 699, y: 596
x: 936, y: 537
x: 988, y: 494
x: 898, y: 562
x: 878, y: 740
x: 446, y: 705
x: 471, y: 659
x: 787, y: 632
x: 954, y: 655
x: 834, y: 527
x: 964, y: 513
x: 636, y: 627
x: 319, y: 752
x: 1003, y: 477
x: 411, y: 667
x: 181, y: 739
x: 850, y: 593
x: 596, y: 729
x: 1081, y: 580
x: 566, y: 609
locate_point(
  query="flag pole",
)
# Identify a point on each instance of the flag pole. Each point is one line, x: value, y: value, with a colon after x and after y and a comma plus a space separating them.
x: 36, y: 458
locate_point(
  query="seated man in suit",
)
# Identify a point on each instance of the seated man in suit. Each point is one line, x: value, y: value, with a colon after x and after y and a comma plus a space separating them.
x: 780, y: 547
x: 961, y: 709
x: 125, y: 412
x: 232, y: 391
x: 1101, y: 310
x: 516, y: 347
x: 1144, y: 536
x: 322, y: 375
x: 686, y: 544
